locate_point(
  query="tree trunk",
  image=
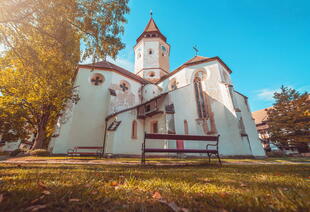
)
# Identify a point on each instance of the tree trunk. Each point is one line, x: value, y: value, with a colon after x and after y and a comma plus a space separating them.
x: 41, y: 133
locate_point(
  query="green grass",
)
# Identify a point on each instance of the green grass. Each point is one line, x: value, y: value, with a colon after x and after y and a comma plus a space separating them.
x: 164, y: 159
x: 132, y: 188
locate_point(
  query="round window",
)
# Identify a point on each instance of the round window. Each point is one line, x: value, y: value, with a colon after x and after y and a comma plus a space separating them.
x: 97, y: 79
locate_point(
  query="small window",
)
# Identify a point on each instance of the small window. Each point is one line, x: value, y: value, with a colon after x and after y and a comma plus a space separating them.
x: 139, y: 55
x: 134, y: 130
x: 148, y: 108
x: 185, y: 127
x: 150, y: 51
x: 97, y: 79
x: 151, y: 74
x: 154, y: 127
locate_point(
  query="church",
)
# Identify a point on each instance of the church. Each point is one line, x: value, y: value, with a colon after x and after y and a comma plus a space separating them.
x: 117, y: 106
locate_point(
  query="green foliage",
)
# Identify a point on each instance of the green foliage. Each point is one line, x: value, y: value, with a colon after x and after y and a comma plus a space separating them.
x: 289, y: 118
x: 42, y: 50
x: 39, y: 152
x: 72, y: 187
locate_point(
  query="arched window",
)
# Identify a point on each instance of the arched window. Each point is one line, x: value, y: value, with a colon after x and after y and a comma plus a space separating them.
x: 134, y: 129
x: 185, y: 127
x: 150, y: 51
x: 173, y: 84
x: 200, y: 100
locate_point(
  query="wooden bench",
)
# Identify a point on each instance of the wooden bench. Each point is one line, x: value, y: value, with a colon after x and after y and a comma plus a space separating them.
x: 77, y: 151
x: 208, y: 150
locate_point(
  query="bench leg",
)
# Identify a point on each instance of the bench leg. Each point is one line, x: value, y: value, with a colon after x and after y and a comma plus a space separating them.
x: 143, y: 158
x: 209, y: 156
x: 218, y: 156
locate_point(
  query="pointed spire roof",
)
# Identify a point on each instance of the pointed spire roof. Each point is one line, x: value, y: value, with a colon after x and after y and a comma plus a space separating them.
x: 151, y: 30
x: 151, y: 26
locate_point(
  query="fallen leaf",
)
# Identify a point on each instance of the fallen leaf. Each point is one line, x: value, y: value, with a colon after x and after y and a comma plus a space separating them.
x: 1, y: 198
x: 94, y: 192
x: 156, y: 195
x: 114, y: 183
x: 223, y: 210
x: 46, y: 192
x: 74, y: 200
x: 285, y: 189
x: 87, y: 185
x: 223, y: 194
x: 42, y: 185
x: 36, y: 207
x: 243, y: 185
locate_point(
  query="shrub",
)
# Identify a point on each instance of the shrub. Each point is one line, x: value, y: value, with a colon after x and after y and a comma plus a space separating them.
x: 39, y: 152
x: 276, y: 154
x: 15, y: 152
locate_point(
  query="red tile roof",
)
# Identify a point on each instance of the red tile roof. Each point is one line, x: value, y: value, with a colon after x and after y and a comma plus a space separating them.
x: 260, y: 116
x: 194, y: 61
x: 105, y: 65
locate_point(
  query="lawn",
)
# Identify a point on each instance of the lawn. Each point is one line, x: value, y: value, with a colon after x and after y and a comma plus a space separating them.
x: 59, y: 187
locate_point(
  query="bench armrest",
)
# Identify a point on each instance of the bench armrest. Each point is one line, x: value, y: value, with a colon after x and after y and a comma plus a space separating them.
x: 210, y: 145
x: 70, y: 151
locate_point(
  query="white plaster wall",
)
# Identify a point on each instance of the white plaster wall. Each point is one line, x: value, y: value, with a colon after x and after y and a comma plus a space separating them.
x: 134, y: 90
x: 225, y: 116
x: 86, y: 125
x: 10, y: 146
x: 120, y: 141
x: 150, y: 91
x: 250, y: 128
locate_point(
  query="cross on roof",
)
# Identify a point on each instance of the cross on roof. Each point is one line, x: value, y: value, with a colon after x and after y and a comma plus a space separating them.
x: 196, y: 49
x: 123, y: 87
x: 97, y: 80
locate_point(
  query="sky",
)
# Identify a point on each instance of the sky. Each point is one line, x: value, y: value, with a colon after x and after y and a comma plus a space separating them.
x: 266, y: 43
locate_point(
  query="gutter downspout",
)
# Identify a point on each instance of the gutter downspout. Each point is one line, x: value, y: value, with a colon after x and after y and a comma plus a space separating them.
x: 104, y: 138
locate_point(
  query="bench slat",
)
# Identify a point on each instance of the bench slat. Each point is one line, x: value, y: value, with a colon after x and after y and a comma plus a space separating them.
x: 181, y: 137
x: 87, y: 147
x: 180, y: 150
x: 82, y: 153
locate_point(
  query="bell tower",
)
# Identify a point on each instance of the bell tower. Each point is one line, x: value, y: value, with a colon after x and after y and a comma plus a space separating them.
x: 152, y: 53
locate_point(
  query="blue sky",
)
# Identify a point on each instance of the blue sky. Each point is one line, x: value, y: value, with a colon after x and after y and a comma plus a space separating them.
x: 265, y: 43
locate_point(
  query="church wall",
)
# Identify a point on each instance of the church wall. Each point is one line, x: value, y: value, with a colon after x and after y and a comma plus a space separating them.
x: 126, y: 99
x: 121, y: 141
x: 250, y: 128
x: 85, y: 125
x: 220, y: 101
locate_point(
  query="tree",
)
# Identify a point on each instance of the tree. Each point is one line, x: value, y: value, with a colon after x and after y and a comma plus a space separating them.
x: 289, y: 118
x: 42, y: 40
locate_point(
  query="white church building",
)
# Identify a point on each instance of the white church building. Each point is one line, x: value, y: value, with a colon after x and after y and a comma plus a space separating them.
x: 117, y: 106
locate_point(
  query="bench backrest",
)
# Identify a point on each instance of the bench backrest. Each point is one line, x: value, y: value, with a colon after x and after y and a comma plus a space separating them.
x: 88, y: 147
x: 181, y: 137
